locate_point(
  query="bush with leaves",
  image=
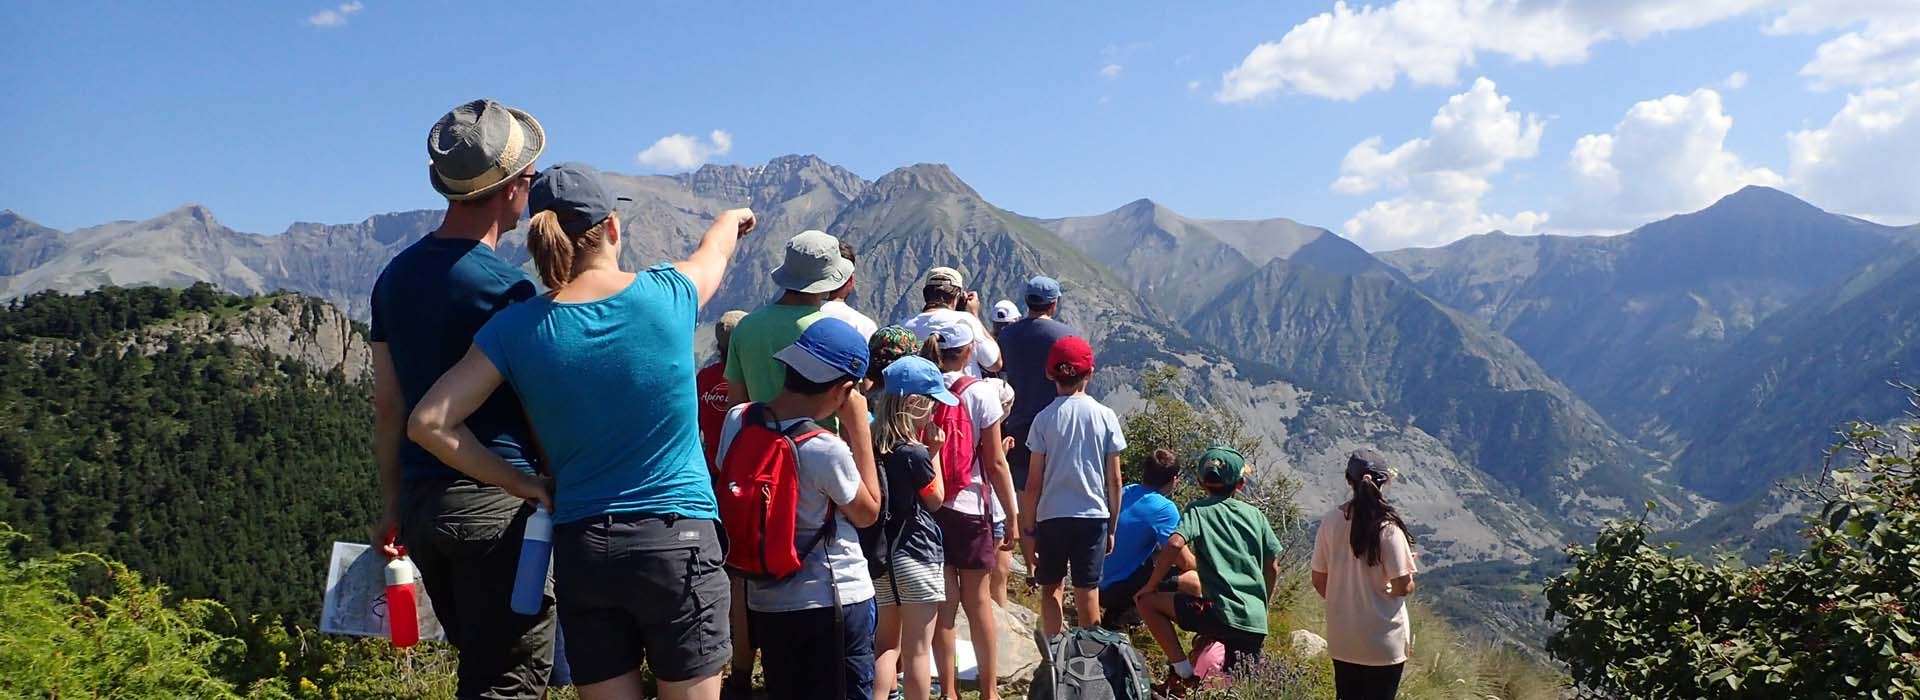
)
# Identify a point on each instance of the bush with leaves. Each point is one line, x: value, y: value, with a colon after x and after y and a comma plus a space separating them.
x: 1835, y: 620
x: 1168, y: 421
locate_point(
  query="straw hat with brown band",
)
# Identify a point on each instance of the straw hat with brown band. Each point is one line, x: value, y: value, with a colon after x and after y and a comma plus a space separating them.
x: 479, y: 146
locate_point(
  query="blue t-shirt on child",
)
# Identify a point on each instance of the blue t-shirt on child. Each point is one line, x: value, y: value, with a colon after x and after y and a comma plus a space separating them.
x: 609, y: 385
x: 1147, y: 519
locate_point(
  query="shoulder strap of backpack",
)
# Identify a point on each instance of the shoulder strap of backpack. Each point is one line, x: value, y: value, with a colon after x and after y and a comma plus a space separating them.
x: 965, y: 382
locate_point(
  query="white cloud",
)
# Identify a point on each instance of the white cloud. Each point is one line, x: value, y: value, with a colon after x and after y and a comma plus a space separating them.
x: 683, y: 152
x: 1886, y: 52
x: 1735, y: 81
x: 335, y: 16
x: 1668, y: 155
x: 1349, y: 52
x: 1440, y: 179
x: 1867, y: 158
x: 1808, y: 16
x: 1193, y: 86
x: 1111, y: 71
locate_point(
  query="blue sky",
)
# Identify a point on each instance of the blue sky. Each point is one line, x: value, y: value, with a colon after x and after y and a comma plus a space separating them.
x: 1596, y: 115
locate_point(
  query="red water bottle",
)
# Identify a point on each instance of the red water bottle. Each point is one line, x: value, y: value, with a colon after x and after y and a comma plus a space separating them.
x: 403, y: 623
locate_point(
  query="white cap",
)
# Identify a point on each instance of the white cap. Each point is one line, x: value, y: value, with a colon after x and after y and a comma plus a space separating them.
x: 953, y: 332
x: 1005, y: 312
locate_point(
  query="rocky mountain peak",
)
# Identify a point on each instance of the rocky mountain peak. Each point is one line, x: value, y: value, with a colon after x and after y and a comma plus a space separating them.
x: 780, y: 179
x: 186, y: 215
x: 922, y: 177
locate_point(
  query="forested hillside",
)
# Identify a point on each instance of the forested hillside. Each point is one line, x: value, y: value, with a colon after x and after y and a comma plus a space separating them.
x: 223, y: 469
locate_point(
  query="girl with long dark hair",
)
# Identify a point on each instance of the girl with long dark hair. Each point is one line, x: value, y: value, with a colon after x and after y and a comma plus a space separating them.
x: 1363, y: 567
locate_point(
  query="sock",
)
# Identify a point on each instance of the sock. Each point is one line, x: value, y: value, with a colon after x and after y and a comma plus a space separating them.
x: 1184, y: 668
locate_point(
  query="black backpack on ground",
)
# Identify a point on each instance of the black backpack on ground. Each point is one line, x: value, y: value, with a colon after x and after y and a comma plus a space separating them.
x: 1089, y: 663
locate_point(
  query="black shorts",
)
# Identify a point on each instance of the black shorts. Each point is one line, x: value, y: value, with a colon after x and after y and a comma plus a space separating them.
x: 1071, y: 545
x: 1202, y: 617
x: 1116, y: 601
x: 642, y: 588
x: 1019, y: 459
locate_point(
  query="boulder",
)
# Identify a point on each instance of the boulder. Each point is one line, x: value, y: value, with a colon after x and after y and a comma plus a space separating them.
x: 1018, y: 655
x: 1308, y: 645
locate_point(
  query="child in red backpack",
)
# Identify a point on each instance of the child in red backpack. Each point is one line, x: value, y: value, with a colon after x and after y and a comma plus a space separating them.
x: 1073, y: 489
x: 974, y: 465
x: 815, y: 624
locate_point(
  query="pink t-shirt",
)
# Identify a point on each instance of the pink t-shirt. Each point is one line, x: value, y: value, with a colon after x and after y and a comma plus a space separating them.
x: 1365, y: 625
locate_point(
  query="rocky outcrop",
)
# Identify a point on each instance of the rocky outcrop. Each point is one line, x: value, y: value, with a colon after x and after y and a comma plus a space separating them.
x: 1018, y: 655
x: 293, y: 327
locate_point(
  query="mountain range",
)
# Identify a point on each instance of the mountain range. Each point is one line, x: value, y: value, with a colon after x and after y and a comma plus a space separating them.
x: 1528, y: 386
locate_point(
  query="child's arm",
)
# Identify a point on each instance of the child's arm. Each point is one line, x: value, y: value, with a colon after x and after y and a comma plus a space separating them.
x: 1029, y: 505
x: 995, y: 459
x: 934, y: 495
x: 1113, y: 498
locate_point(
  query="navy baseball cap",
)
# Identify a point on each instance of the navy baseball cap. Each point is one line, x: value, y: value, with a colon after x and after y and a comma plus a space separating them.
x: 830, y: 350
x: 575, y: 193
x: 1042, y: 290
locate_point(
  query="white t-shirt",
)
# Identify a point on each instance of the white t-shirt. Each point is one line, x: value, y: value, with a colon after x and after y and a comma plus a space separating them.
x: 986, y: 352
x: 860, y: 322
x: 982, y: 401
x: 1365, y: 625
x: 1076, y: 434
x: 826, y: 472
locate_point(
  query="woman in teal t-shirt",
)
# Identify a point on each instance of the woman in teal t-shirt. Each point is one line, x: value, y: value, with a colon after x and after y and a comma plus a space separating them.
x: 603, y: 364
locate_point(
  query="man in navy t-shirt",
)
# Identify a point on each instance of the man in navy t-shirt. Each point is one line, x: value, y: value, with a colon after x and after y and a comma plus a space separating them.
x: 463, y: 535
x: 1023, y: 351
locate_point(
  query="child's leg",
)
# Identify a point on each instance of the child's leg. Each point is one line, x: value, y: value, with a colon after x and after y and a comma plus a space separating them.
x: 1156, y: 610
x: 1002, y: 569
x: 916, y: 636
x: 1086, y: 606
x: 1055, y: 543
x: 886, y: 650
x: 804, y: 658
x: 856, y: 650
x: 1053, y: 608
x: 978, y: 602
x: 742, y: 673
x: 944, y: 640
x: 1088, y: 560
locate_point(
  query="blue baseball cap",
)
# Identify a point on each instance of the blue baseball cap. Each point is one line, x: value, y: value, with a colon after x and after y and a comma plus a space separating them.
x: 915, y: 376
x: 1043, y: 290
x: 829, y: 350
x: 575, y: 193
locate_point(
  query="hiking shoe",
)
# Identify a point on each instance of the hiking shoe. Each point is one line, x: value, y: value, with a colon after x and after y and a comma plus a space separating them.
x: 1174, y: 687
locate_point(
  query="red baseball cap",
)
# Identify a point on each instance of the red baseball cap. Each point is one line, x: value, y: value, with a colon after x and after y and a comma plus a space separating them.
x: 1070, y: 358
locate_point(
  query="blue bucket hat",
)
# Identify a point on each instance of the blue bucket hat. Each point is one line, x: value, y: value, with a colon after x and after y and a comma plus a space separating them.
x: 915, y: 376
x: 829, y: 350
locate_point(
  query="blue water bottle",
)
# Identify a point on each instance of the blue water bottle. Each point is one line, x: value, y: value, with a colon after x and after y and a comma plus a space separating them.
x: 536, y: 551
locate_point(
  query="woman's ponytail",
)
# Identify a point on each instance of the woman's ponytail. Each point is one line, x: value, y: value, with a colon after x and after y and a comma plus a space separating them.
x: 1370, y: 513
x: 931, y: 349
x: 555, y: 254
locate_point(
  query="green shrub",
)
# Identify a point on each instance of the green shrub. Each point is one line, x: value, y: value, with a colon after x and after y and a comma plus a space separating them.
x: 1835, y: 620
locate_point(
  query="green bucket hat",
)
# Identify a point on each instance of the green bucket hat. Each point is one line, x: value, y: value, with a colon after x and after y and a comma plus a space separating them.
x: 1222, y: 466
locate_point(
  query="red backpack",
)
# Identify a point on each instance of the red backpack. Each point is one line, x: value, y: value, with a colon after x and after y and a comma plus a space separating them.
x: 759, y: 495
x: 956, y: 457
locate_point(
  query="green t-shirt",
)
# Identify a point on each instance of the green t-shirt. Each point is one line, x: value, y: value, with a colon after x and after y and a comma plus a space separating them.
x: 756, y: 338
x: 1232, y: 542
